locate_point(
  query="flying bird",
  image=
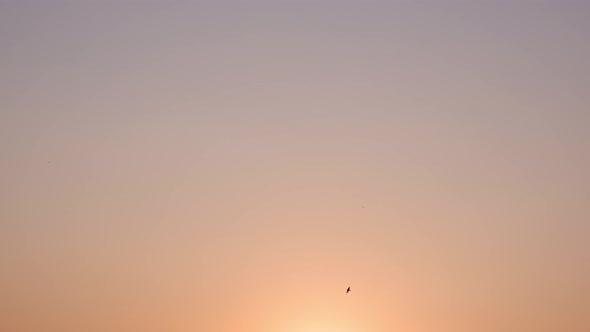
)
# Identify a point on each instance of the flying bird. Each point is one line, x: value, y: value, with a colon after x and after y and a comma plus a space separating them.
x: 348, y: 290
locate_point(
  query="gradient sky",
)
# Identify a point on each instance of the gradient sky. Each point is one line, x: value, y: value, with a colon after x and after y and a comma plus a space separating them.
x: 234, y: 166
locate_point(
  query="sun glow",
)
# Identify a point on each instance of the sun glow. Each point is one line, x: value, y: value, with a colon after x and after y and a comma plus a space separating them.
x: 322, y: 327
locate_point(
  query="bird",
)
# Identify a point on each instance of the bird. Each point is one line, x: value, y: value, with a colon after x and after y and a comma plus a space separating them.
x: 348, y: 290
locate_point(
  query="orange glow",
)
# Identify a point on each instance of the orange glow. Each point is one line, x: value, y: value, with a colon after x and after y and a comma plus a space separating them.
x: 235, y: 165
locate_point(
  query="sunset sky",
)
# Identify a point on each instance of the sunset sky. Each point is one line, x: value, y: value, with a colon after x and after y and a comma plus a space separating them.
x: 192, y: 166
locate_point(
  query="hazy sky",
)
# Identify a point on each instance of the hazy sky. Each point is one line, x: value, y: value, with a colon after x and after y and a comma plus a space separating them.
x: 235, y: 166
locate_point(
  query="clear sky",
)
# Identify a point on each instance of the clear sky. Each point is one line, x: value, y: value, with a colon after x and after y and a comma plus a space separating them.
x: 187, y: 166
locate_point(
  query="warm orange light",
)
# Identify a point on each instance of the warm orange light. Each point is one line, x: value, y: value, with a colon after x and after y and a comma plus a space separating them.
x: 320, y: 326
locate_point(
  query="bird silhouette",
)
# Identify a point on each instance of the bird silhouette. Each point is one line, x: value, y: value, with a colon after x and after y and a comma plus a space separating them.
x: 348, y: 290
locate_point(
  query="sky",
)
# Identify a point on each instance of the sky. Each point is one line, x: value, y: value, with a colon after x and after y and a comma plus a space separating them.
x: 219, y: 166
